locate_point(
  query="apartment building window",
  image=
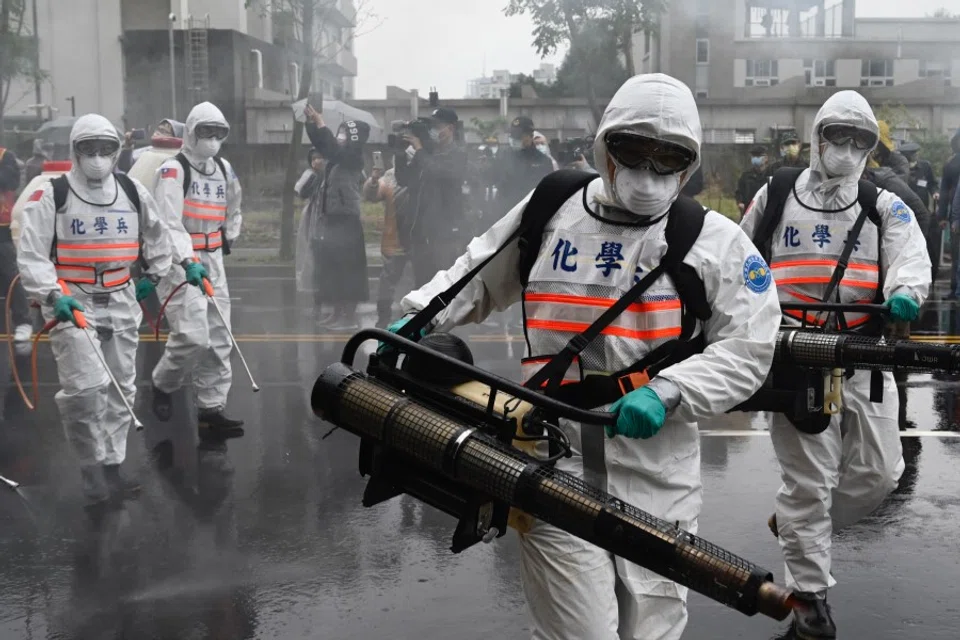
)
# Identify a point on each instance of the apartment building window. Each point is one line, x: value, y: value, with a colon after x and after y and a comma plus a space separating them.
x: 761, y: 73
x: 729, y: 136
x: 876, y: 73
x: 820, y: 73
x: 702, y: 81
x: 703, y: 51
x: 935, y: 70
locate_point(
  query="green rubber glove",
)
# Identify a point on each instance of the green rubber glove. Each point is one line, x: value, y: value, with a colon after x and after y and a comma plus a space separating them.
x: 195, y: 273
x: 640, y: 414
x: 63, y: 309
x: 395, y: 326
x: 903, y: 308
x: 145, y: 286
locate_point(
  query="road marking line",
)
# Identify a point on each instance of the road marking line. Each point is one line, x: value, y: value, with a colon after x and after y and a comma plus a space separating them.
x: 732, y: 433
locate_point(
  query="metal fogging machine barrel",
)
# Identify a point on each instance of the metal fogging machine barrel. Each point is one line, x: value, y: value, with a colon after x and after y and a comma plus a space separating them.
x: 420, y: 439
x: 815, y: 349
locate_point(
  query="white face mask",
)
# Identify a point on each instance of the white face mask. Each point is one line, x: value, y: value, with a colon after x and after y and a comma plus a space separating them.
x: 96, y: 167
x: 207, y: 147
x: 841, y: 160
x: 544, y: 149
x: 643, y: 192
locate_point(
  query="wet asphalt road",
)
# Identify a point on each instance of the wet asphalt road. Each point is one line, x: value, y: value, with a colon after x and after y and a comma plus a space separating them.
x: 264, y: 537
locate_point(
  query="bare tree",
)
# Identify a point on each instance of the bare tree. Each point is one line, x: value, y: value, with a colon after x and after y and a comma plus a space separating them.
x: 558, y: 22
x: 307, y: 22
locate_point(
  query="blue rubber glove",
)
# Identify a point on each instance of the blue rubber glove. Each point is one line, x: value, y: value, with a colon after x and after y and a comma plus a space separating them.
x: 195, y: 273
x: 63, y: 309
x: 902, y: 308
x: 640, y: 414
x: 395, y: 326
x: 145, y: 286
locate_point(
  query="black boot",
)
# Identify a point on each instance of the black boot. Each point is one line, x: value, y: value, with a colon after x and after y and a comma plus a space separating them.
x: 121, y: 488
x: 384, y: 314
x: 212, y: 424
x: 162, y: 404
x: 811, y: 617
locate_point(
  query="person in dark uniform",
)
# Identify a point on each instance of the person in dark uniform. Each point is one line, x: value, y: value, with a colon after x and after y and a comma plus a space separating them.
x: 923, y: 183
x: 520, y: 168
x: 789, y: 154
x: 752, y: 179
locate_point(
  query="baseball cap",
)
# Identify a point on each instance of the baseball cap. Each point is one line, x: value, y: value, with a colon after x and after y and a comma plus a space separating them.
x: 758, y: 150
x: 789, y: 138
x: 521, y: 126
x: 444, y: 115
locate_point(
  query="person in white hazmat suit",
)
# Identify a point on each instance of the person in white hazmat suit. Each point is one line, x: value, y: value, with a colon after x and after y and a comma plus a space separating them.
x: 200, y: 222
x: 835, y: 478
x: 576, y: 590
x: 79, y: 258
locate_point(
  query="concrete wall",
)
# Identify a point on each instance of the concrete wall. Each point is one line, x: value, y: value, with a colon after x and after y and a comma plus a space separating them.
x: 80, y: 50
x: 848, y: 72
x: 915, y: 29
x: 905, y: 71
x: 147, y: 14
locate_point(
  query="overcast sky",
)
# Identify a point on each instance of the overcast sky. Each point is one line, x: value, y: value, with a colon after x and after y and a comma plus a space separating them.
x: 419, y: 43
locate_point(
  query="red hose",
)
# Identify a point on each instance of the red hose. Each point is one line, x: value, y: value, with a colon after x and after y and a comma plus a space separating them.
x: 163, y: 308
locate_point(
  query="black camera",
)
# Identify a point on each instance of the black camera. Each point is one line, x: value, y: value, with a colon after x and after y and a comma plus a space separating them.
x: 571, y: 150
x: 420, y: 128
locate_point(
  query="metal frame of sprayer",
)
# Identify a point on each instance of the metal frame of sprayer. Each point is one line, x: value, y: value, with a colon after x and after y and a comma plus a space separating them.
x: 480, y: 519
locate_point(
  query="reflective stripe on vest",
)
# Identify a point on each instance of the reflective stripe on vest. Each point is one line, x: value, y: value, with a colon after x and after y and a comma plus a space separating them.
x: 7, y: 200
x: 204, y: 210
x: 648, y: 320
x: 89, y: 253
x: 859, y: 275
x: 207, y: 241
x: 88, y: 275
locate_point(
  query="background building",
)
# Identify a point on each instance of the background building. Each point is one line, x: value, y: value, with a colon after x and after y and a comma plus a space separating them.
x: 757, y: 66
x: 113, y: 57
x: 489, y: 87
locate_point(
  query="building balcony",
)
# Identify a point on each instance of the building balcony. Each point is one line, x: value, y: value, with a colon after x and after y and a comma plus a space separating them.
x: 343, y: 14
x: 344, y: 63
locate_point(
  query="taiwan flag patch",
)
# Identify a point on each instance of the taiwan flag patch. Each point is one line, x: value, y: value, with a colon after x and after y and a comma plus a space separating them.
x: 36, y: 195
x: 168, y: 172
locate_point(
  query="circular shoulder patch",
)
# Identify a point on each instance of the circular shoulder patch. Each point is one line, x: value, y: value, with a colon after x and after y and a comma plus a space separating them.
x: 900, y: 211
x: 756, y: 274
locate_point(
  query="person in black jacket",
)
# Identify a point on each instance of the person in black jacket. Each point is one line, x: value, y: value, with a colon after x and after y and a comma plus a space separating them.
x: 752, y: 179
x: 432, y: 221
x: 521, y: 168
x: 948, y: 184
x: 923, y: 183
x: 340, y: 256
x: 789, y: 154
x: 9, y: 183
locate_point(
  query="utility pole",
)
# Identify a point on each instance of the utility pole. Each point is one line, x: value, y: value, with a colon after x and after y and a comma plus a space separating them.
x: 36, y: 59
x: 173, y: 72
x: 73, y: 105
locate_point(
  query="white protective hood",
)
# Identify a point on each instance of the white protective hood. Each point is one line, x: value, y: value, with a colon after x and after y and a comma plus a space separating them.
x: 846, y: 107
x: 653, y: 104
x: 87, y: 127
x: 203, y: 113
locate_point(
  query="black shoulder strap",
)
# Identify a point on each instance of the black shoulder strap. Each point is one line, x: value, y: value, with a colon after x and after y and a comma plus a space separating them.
x: 867, y: 199
x: 686, y: 220
x: 60, y: 190
x: 778, y: 190
x: 687, y: 213
x: 555, y: 189
x: 187, y: 176
x: 130, y: 189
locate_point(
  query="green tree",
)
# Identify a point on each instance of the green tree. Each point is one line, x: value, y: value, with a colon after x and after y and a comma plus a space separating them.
x: 487, y: 128
x: 943, y: 12
x: 305, y: 23
x: 18, y: 52
x: 569, y: 22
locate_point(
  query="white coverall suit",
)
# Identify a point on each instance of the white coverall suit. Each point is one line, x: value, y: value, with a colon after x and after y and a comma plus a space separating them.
x: 576, y: 590
x: 835, y: 478
x: 91, y: 245
x: 198, y: 343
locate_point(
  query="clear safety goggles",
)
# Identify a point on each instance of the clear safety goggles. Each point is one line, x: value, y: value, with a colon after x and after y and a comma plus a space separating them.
x: 97, y: 147
x: 636, y: 151
x: 216, y: 131
x: 841, y: 134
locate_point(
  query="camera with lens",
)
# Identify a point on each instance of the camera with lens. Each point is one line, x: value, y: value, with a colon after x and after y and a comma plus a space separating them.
x: 570, y: 151
x: 420, y: 128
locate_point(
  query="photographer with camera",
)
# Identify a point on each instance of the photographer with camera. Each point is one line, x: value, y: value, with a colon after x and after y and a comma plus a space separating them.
x: 520, y: 168
x: 572, y: 154
x: 432, y: 166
